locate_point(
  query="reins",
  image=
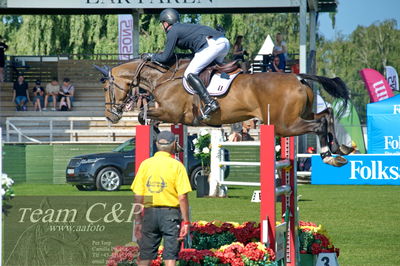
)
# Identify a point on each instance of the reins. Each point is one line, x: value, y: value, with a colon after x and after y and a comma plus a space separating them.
x: 117, y: 109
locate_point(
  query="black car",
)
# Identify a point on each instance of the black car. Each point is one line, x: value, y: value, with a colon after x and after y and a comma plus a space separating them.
x: 108, y: 171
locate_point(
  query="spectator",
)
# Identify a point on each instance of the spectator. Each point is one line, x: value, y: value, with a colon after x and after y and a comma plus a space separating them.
x: 246, y: 126
x: 280, y: 50
x: 239, y: 52
x: 20, y: 93
x: 235, y: 135
x: 164, y: 182
x: 38, y: 93
x: 275, y: 65
x: 3, y: 48
x: 143, y: 97
x: 304, y: 163
x: 52, y: 90
x: 66, y: 94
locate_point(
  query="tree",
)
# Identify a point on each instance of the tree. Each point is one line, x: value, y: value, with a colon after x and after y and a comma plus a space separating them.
x: 374, y: 47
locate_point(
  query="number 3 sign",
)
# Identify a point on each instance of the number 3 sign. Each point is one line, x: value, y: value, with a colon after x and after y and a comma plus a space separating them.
x: 327, y: 259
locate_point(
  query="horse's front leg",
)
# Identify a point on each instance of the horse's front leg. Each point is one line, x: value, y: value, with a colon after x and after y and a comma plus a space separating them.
x: 164, y: 114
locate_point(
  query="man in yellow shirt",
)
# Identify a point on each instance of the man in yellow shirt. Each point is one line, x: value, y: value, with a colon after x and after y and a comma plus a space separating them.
x: 162, y: 184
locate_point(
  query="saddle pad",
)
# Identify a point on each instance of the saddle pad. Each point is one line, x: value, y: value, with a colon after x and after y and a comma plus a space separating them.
x: 218, y: 85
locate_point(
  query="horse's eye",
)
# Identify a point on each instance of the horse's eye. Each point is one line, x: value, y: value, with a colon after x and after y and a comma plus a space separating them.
x: 103, y: 80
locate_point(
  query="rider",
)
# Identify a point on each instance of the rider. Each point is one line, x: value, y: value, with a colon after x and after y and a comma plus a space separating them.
x: 207, y: 43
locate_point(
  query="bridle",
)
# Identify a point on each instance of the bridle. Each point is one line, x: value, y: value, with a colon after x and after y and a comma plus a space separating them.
x: 117, y: 109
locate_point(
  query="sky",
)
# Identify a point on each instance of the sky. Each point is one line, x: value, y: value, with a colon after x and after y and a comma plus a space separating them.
x: 352, y: 13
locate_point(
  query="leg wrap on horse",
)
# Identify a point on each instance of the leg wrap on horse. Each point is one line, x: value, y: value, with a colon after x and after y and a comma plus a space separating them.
x: 198, y: 86
x: 326, y: 154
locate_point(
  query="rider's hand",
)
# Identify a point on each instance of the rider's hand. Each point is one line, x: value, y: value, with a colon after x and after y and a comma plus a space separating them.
x: 147, y: 56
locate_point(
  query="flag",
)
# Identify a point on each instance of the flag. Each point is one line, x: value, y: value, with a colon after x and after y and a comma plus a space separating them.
x: 392, y: 77
x: 125, y: 38
x: 376, y: 85
x: 351, y: 123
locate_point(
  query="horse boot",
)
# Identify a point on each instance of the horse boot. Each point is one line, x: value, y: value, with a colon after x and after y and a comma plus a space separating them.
x: 211, y: 105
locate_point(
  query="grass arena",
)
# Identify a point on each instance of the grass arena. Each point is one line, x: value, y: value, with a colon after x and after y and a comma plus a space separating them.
x: 361, y: 221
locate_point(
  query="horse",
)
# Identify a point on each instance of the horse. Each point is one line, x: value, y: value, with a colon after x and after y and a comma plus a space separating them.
x: 282, y: 99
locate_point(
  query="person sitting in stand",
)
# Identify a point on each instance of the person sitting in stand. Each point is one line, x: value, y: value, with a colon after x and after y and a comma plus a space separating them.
x: 52, y: 90
x: 274, y: 66
x: 66, y: 93
x: 280, y: 50
x: 206, y: 43
x: 20, y: 93
x: 38, y: 93
x: 239, y: 53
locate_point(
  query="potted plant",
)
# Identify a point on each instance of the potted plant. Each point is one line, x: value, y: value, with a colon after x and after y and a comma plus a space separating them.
x: 202, y: 152
x: 7, y: 192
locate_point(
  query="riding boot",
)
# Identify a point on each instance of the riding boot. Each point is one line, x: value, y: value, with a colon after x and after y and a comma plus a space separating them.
x: 211, y: 105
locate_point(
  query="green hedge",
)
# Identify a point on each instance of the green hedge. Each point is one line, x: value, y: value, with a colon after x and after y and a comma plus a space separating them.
x: 44, y: 163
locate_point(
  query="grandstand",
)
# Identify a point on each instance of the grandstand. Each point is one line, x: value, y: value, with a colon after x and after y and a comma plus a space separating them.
x: 86, y: 123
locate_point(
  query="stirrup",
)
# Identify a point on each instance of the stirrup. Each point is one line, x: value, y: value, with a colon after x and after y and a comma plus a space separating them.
x: 203, y: 116
x: 210, y: 108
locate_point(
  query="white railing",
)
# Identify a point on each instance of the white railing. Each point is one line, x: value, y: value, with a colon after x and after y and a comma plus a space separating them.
x: 72, y: 131
x: 217, y: 176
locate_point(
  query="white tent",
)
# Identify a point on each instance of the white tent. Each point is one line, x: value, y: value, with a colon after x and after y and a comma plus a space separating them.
x: 266, y: 48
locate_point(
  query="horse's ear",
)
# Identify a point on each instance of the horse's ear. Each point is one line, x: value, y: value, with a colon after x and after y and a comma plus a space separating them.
x: 103, y: 71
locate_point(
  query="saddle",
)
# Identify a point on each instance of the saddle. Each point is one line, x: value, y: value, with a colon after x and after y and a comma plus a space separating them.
x: 213, y: 68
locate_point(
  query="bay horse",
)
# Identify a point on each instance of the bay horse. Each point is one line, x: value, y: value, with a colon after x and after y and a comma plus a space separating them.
x: 282, y: 99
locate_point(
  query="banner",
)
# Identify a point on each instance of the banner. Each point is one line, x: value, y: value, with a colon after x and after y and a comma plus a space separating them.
x: 351, y: 123
x: 125, y: 39
x: 383, y: 126
x: 360, y: 170
x: 392, y: 77
x: 376, y: 85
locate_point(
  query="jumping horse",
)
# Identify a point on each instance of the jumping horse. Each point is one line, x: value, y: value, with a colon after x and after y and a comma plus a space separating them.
x: 284, y: 100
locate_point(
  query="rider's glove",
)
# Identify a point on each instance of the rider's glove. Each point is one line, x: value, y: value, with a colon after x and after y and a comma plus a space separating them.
x: 147, y: 56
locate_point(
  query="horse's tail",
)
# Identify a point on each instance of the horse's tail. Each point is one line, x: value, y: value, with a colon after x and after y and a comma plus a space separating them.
x: 335, y: 87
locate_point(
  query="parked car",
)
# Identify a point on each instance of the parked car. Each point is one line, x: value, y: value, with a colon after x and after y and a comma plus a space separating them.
x: 108, y: 171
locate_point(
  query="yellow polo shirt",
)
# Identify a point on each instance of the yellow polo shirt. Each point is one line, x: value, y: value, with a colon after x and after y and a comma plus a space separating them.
x: 162, y: 178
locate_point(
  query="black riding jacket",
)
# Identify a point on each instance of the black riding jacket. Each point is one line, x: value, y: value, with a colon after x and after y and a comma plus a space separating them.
x: 185, y: 36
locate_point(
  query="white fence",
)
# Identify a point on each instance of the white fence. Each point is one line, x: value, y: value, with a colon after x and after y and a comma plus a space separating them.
x: 55, y: 126
x: 217, y: 176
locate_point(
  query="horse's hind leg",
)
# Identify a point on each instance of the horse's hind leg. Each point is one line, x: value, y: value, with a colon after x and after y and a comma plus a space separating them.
x: 320, y: 127
x: 331, y: 136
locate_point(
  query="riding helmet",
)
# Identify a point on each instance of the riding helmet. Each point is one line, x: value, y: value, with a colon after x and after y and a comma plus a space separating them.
x: 169, y: 15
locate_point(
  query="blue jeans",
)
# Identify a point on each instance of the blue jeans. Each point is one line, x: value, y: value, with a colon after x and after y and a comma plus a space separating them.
x: 20, y: 99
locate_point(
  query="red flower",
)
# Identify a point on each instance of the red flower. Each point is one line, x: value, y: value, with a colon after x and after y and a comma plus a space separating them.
x: 194, y: 255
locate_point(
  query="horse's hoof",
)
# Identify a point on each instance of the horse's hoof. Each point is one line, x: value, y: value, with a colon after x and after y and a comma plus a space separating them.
x: 345, y: 150
x: 337, y: 161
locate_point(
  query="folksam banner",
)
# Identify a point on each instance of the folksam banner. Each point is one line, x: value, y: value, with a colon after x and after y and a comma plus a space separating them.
x: 366, y: 169
x: 392, y: 77
x: 383, y: 126
x: 125, y: 37
x: 376, y: 85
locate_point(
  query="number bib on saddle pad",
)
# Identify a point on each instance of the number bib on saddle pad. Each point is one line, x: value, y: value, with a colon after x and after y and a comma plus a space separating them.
x: 219, y: 84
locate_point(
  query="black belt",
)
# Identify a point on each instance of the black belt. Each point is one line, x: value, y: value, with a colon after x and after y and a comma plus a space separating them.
x: 163, y: 207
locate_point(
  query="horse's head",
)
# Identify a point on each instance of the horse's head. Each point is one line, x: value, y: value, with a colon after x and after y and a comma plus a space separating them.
x: 118, y: 84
